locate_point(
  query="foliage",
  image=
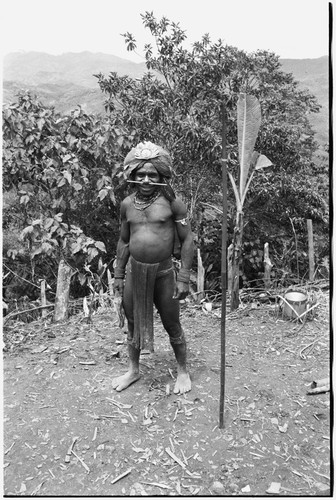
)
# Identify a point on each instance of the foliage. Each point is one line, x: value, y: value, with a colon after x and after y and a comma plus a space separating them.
x: 71, y: 164
x: 177, y: 104
x: 62, y: 170
x: 248, y: 125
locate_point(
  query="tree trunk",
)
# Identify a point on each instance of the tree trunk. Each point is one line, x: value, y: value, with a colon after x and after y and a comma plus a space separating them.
x: 62, y: 291
x: 236, y: 258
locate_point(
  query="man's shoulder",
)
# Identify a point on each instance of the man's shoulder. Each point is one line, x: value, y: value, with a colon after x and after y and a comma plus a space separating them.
x: 128, y: 200
x: 178, y: 206
x: 126, y: 204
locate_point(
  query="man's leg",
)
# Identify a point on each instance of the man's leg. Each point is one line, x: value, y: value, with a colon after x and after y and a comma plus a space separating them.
x: 169, y: 311
x: 133, y: 373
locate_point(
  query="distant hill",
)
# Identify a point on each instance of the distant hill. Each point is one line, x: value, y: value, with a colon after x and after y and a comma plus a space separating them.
x: 63, y: 81
x: 34, y: 68
x: 67, y: 80
x: 312, y: 74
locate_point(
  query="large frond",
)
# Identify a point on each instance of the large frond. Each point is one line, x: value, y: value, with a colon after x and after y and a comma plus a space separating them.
x: 248, y: 124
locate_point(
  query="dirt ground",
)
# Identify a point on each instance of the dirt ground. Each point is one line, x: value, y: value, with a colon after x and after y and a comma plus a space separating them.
x: 148, y: 441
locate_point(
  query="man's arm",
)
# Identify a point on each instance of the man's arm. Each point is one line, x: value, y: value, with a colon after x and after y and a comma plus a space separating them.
x: 187, y: 247
x: 122, y: 251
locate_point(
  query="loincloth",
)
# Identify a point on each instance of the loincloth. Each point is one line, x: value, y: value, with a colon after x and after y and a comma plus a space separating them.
x: 143, y: 282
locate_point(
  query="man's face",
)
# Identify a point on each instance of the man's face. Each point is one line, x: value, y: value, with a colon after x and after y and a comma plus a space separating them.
x: 147, y: 174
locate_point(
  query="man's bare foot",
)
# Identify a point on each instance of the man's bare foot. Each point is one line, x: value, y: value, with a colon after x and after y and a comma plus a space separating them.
x: 183, y: 383
x: 122, y: 382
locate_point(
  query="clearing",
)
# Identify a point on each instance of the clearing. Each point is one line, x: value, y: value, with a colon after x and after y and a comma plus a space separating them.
x: 148, y: 441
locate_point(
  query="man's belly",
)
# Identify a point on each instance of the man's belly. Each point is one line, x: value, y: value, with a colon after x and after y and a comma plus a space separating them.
x: 150, y: 248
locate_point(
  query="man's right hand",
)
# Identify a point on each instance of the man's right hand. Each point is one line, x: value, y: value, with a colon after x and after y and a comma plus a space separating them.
x: 118, y: 287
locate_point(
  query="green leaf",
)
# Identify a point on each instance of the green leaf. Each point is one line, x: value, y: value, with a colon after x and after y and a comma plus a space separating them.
x: 24, y: 199
x: 112, y: 197
x: 248, y: 124
x: 37, y: 251
x: 40, y: 122
x: 46, y: 247
x: 263, y: 162
x: 48, y: 223
x: 67, y: 176
x: 236, y: 193
x: 75, y: 248
x: 102, y: 194
x: 82, y: 278
x: 92, y: 253
x: 27, y: 230
x: 66, y: 158
x: 101, y: 246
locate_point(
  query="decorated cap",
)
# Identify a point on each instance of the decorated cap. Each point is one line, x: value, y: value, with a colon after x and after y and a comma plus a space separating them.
x: 148, y: 151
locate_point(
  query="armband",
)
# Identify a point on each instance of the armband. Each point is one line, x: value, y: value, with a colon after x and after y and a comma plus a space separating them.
x: 183, y: 275
x: 184, y: 221
x: 119, y: 273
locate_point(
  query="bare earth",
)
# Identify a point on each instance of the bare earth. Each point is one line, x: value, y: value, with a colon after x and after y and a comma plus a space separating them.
x: 148, y: 441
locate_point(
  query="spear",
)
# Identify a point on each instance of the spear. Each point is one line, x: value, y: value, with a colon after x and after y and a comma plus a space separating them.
x: 223, y: 265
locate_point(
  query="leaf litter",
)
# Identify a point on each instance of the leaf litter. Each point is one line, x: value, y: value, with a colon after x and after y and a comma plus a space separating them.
x: 256, y: 428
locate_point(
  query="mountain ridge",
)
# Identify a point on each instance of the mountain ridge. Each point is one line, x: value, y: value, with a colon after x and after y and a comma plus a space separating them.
x: 68, y: 80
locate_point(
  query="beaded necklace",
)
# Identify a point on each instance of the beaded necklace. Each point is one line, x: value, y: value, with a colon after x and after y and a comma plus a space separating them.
x: 142, y: 202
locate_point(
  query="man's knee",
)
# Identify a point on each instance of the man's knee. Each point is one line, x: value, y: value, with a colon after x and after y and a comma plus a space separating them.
x: 176, y: 334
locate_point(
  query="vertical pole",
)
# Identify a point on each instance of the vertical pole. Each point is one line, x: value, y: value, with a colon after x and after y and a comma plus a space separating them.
x: 223, y: 267
x: 267, y: 267
x: 310, y: 249
x: 200, y: 277
x: 43, y: 298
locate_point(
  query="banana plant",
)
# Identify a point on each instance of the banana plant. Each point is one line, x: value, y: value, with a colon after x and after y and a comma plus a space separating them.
x: 250, y: 161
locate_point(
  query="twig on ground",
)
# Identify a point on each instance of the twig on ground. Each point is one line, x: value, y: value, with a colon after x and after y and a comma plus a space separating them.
x: 81, y: 461
x: 121, y: 476
x: 322, y: 475
x: 17, y: 313
x: 37, y: 489
x: 302, y: 356
x: 159, y: 485
x: 9, y: 449
x: 68, y: 455
x: 119, y: 405
x: 174, y: 457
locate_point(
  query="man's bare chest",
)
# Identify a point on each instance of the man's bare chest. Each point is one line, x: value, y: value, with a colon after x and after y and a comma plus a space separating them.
x: 158, y: 212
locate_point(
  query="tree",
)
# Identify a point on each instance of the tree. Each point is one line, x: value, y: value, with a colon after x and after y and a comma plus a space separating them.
x: 63, y: 169
x: 177, y: 104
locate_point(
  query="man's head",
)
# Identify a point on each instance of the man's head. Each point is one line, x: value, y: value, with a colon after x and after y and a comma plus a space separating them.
x: 147, y: 175
x: 144, y: 153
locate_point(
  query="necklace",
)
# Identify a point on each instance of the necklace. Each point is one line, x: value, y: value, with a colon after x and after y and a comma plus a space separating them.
x: 142, y: 202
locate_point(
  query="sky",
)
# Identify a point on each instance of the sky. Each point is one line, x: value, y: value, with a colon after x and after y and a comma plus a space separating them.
x: 293, y: 29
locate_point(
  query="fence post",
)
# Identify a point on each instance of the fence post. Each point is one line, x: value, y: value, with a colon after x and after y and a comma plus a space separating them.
x: 43, y: 298
x: 310, y: 249
x: 267, y: 266
x: 200, y: 277
x: 62, y: 291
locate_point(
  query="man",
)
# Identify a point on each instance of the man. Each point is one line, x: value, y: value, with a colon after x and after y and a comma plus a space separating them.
x: 150, y: 219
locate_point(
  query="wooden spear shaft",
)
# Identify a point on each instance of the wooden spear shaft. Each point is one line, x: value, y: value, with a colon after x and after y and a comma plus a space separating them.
x: 224, y: 267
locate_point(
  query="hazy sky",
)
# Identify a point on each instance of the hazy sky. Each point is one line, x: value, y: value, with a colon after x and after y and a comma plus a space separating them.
x: 290, y: 28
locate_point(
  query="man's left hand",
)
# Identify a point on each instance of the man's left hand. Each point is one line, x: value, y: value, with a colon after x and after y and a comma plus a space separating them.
x: 181, y: 290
